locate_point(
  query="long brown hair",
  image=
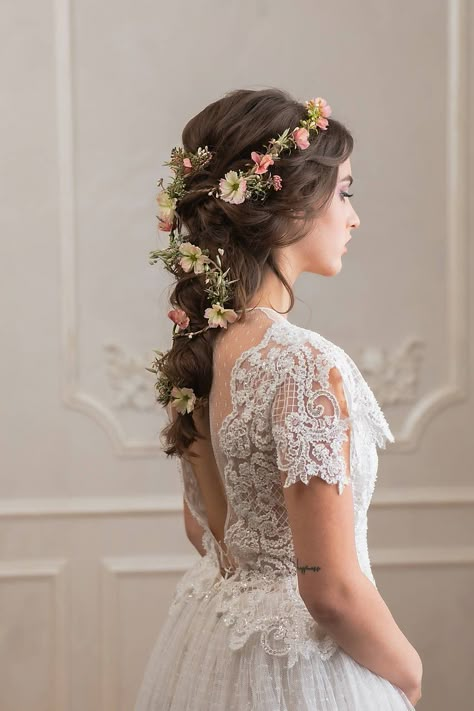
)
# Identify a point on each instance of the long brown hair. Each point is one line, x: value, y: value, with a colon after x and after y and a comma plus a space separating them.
x: 243, y: 121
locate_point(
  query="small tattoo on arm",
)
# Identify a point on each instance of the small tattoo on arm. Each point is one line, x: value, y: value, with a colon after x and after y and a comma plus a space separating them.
x: 304, y: 568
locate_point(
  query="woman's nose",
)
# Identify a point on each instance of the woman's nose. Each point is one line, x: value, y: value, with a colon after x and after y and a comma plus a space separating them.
x: 355, y: 220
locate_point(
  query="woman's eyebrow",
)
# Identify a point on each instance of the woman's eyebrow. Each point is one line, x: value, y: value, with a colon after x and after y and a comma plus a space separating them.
x: 349, y: 178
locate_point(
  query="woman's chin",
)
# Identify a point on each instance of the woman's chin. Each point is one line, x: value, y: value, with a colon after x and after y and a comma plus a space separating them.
x: 334, y: 268
x: 329, y: 268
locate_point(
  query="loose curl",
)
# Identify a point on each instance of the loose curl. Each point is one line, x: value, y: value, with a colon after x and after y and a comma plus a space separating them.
x: 250, y: 232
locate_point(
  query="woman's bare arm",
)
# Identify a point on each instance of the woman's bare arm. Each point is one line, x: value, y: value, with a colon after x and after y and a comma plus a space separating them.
x: 331, y: 583
x: 335, y: 590
x: 193, y: 530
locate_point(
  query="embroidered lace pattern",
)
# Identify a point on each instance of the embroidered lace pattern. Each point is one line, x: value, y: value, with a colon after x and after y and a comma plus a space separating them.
x: 274, y: 408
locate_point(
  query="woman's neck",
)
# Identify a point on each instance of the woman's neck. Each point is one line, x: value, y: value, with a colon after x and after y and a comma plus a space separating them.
x: 271, y: 294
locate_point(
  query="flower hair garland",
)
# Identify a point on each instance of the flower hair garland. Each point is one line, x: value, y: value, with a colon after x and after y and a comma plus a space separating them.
x: 235, y: 187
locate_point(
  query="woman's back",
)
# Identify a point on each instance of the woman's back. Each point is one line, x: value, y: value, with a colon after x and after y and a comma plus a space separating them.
x: 266, y: 434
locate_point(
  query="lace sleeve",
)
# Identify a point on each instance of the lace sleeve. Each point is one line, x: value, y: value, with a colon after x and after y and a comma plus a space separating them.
x: 310, y: 420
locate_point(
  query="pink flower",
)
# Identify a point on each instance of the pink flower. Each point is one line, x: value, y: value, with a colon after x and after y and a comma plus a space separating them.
x: 165, y: 225
x: 262, y: 161
x: 188, y: 166
x: 324, y: 107
x: 319, y: 110
x: 322, y: 123
x: 179, y: 317
x: 300, y: 137
x: 324, y: 110
x: 277, y: 182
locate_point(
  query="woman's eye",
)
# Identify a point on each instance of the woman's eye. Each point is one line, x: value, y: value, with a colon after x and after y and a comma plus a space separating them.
x: 344, y: 195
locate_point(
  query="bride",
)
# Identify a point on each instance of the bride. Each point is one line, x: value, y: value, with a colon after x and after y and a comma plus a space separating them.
x: 273, y: 428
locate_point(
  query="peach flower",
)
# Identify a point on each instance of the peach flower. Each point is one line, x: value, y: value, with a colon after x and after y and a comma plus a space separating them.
x: 188, y: 166
x: 262, y: 161
x: 300, y: 137
x: 324, y: 111
x: 165, y: 225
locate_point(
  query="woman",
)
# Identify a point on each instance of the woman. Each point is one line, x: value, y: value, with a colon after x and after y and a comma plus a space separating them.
x: 273, y: 426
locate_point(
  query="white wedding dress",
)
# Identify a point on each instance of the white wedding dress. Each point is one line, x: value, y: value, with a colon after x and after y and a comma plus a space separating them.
x: 245, y: 641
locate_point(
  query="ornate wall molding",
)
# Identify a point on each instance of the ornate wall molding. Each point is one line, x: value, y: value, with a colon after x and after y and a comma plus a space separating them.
x: 130, y: 383
x: 393, y: 376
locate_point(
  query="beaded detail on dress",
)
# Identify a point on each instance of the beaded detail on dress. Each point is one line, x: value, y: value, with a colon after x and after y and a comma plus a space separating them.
x: 274, y: 408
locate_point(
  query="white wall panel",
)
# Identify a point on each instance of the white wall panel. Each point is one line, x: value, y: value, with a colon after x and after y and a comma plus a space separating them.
x: 95, y: 96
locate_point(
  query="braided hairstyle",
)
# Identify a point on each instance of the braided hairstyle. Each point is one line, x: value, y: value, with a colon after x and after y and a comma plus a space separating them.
x: 232, y: 127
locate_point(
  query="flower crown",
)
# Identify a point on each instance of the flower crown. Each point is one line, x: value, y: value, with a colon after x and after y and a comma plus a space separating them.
x: 235, y: 187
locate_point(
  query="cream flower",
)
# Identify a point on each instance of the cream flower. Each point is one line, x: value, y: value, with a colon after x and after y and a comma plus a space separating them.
x: 217, y: 315
x: 232, y: 188
x: 184, y: 399
x: 166, y: 203
x: 193, y: 258
x: 166, y: 206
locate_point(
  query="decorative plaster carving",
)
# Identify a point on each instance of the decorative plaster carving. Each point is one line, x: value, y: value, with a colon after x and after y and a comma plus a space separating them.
x: 393, y: 377
x: 131, y: 384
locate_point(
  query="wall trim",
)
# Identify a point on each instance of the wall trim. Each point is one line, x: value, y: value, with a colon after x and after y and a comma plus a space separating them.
x: 421, y: 556
x: 53, y: 507
x: 54, y: 572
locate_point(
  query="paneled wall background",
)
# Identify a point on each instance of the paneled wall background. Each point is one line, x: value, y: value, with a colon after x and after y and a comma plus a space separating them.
x: 94, y: 96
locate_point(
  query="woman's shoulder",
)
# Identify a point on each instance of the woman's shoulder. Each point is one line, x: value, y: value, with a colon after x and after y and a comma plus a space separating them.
x: 298, y: 337
x: 310, y: 351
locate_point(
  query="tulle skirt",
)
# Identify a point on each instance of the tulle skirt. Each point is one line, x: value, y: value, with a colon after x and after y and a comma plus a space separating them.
x: 192, y: 668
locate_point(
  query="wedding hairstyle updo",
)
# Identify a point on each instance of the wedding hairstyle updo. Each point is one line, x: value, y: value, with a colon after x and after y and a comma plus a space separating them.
x: 232, y: 127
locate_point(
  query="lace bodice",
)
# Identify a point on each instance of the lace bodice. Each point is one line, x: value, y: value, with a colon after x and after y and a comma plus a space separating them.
x: 275, y: 411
